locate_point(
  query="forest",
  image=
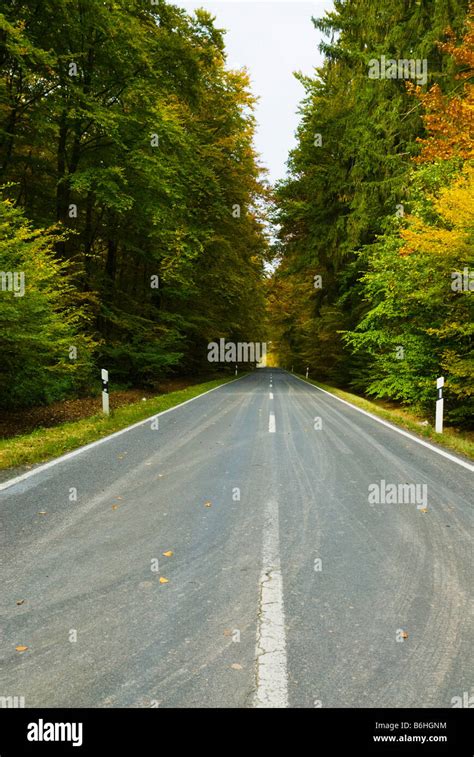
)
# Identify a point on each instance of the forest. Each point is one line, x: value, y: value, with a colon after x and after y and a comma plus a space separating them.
x: 375, y: 264
x: 132, y: 196
x: 137, y: 224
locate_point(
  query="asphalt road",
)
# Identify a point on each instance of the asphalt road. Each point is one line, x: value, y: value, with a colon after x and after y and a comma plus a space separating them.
x: 288, y: 589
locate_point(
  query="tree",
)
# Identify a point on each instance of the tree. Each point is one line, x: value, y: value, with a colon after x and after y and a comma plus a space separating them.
x: 122, y: 124
x: 45, y: 354
x: 353, y: 186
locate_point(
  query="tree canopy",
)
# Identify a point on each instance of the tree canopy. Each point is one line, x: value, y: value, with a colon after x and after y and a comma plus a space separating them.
x: 122, y: 126
x: 375, y: 218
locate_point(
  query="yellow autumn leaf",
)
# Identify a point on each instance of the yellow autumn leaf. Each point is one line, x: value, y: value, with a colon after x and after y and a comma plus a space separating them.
x: 169, y: 553
x: 21, y: 648
x: 163, y: 580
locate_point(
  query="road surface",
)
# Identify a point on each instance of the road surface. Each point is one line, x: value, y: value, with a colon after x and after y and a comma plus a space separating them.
x: 286, y: 586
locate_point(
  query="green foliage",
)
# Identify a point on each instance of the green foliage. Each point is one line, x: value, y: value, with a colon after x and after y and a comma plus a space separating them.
x: 41, y: 317
x: 409, y: 285
x: 347, y: 207
x: 120, y: 123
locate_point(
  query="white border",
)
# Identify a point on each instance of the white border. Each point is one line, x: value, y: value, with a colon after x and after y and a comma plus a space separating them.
x: 401, y: 431
x: 79, y: 450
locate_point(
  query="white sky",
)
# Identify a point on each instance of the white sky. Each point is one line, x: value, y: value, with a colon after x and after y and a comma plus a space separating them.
x: 271, y: 38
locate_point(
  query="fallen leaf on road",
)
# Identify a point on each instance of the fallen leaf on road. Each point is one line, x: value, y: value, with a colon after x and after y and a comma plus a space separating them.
x: 227, y: 632
x: 20, y: 601
x: 236, y: 666
x: 404, y: 635
x: 169, y: 553
x: 207, y: 504
x: 163, y: 580
x: 423, y: 509
x: 43, y: 512
x: 21, y: 648
x: 114, y: 507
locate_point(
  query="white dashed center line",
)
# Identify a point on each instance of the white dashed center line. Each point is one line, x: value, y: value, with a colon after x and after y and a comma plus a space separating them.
x: 271, y: 673
x: 271, y: 423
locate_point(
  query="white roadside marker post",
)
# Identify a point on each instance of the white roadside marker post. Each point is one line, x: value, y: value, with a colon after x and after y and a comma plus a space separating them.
x: 439, y: 405
x: 105, y: 391
x: 235, y: 373
x: 307, y: 372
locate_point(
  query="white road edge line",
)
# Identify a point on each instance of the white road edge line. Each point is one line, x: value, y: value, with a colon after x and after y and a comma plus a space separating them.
x: 270, y: 650
x: 271, y: 423
x: 74, y: 453
x: 394, y: 428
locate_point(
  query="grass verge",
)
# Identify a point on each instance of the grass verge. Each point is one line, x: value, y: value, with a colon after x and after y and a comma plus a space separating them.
x: 453, y: 439
x: 47, y: 443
